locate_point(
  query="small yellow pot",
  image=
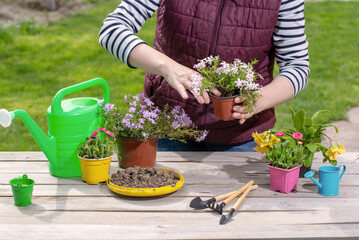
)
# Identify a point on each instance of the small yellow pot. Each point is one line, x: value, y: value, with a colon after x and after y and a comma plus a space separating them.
x: 95, y: 171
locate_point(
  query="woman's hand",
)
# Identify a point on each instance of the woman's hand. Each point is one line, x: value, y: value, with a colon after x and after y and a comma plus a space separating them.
x: 178, y: 76
x: 273, y: 94
x: 240, y: 111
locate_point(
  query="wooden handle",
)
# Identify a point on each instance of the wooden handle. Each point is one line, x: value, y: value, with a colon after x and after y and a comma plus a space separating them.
x: 240, y: 200
x: 224, y: 196
x: 247, y: 186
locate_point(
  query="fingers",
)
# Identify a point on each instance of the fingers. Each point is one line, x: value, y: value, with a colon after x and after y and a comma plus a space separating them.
x: 241, y: 113
x: 181, y: 90
x: 216, y: 92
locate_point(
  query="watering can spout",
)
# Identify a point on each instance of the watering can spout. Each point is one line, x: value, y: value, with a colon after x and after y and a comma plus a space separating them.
x: 310, y: 175
x: 47, y: 144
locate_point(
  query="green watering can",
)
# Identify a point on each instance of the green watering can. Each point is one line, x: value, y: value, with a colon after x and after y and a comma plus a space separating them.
x: 70, y: 121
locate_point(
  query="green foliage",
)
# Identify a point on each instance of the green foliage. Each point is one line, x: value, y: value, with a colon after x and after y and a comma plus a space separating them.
x: 287, y: 153
x: 230, y: 79
x: 101, y: 144
x: 140, y: 119
x: 313, y: 133
x: 34, y: 67
x: 30, y: 28
x: 331, y: 27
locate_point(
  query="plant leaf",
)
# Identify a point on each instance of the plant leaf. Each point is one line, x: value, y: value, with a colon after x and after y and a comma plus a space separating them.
x: 299, y: 120
x: 315, y: 115
x: 312, y: 147
x: 308, y: 160
x: 332, y: 125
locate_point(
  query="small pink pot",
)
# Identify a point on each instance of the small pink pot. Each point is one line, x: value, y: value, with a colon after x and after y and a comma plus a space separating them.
x: 283, y: 180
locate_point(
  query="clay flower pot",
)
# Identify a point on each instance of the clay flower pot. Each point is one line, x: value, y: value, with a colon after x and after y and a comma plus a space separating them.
x: 95, y: 171
x: 223, y: 107
x: 283, y: 180
x: 132, y: 152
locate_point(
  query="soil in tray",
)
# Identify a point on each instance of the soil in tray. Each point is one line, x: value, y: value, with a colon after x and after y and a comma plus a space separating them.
x: 136, y: 177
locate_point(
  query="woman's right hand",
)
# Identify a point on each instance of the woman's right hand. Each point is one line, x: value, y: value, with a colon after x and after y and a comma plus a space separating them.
x: 178, y: 76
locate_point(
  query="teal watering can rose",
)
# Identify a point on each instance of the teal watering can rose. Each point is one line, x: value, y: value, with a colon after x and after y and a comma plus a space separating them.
x: 70, y: 121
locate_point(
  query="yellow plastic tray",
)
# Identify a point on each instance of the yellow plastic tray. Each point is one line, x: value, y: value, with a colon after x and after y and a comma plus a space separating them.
x: 146, y: 192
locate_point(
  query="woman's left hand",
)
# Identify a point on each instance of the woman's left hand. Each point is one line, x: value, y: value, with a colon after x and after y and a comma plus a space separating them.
x: 240, y: 111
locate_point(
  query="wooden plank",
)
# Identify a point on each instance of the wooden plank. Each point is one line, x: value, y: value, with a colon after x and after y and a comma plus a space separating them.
x: 204, y: 178
x: 185, y: 156
x: 172, y: 203
x: 330, y: 216
x: 304, y: 191
x: 152, y: 225
x: 233, y: 169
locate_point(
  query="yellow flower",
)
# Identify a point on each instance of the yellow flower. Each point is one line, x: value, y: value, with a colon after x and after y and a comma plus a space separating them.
x: 257, y: 138
x: 264, y: 142
x: 333, y: 151
x: 273, y: 140
x: 262, y: 148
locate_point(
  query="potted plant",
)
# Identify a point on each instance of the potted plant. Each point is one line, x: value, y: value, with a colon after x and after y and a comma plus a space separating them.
x: 95, y: 155
x: 285, y: 152
x: 313, y: 133
x: 231, y: 80
x: 138, y: 125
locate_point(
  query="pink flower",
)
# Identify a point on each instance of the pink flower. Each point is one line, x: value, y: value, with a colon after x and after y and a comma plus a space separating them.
x: 86, y: 146
x: 90, y: 140
x: 279, y: 134
x: 300, y: 143
x: 110, y: 133
x: 102, y: 129
x: 297, y: 135
x: 94, y: 134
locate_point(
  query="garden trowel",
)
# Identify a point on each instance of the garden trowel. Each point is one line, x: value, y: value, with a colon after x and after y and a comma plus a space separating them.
x: 225, y: 218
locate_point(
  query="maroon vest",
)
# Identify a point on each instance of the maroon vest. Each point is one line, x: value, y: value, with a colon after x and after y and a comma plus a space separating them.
x: 189, y: 30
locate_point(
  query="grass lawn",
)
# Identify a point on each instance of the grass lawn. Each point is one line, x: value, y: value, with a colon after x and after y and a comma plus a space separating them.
x: 36, y: 62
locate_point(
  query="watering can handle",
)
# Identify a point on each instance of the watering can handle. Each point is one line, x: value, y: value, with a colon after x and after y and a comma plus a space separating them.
x: 344, y: 168
x: 56, y: 102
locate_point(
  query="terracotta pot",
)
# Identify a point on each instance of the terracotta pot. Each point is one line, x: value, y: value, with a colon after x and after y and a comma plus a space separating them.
x: 283, y: 180
x: 132, y: 152
x: 223, y: 107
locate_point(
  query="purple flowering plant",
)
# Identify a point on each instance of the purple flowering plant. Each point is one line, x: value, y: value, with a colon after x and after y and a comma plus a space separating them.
x: 139, y: 118
x: 231, y: 79
x: 100, y: 144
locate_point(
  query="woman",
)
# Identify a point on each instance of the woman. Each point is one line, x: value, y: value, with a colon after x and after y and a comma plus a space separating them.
x: 188, y: 30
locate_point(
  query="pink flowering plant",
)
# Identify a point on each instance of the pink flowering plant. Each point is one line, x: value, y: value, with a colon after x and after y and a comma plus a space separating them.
x: 230, y: 79
x: 313, y: 133
x: 139, y: 118
x: 100, y: 144
x: 300, y: 142
x: 283, y: 149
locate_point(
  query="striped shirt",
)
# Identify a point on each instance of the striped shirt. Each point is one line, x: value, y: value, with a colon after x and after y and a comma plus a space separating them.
x: 118, y: 36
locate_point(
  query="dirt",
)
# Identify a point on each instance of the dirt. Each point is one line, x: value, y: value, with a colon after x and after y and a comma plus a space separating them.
x: 15, y: 11
x: 136, y: 177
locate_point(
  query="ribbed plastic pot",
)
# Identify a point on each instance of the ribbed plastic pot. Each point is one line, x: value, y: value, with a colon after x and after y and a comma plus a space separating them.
x: 132, y: 152
x: 223, y: 107
x: 95, y: 171
x: 284, y: 180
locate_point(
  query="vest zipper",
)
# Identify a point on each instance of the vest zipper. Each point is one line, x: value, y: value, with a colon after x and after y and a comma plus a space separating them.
x: 212, y: 49
x: 214, y: 37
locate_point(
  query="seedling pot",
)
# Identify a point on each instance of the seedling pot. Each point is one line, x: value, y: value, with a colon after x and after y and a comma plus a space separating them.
x: 132, y: 152
x: 284, y: 180
x: 223, y: 107
x: 95, y: 171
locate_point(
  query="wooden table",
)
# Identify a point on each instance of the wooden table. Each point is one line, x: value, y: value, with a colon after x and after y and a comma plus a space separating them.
x: 71, y: 209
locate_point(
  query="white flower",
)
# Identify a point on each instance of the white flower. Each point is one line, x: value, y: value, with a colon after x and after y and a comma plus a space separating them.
x: 196, y: 84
